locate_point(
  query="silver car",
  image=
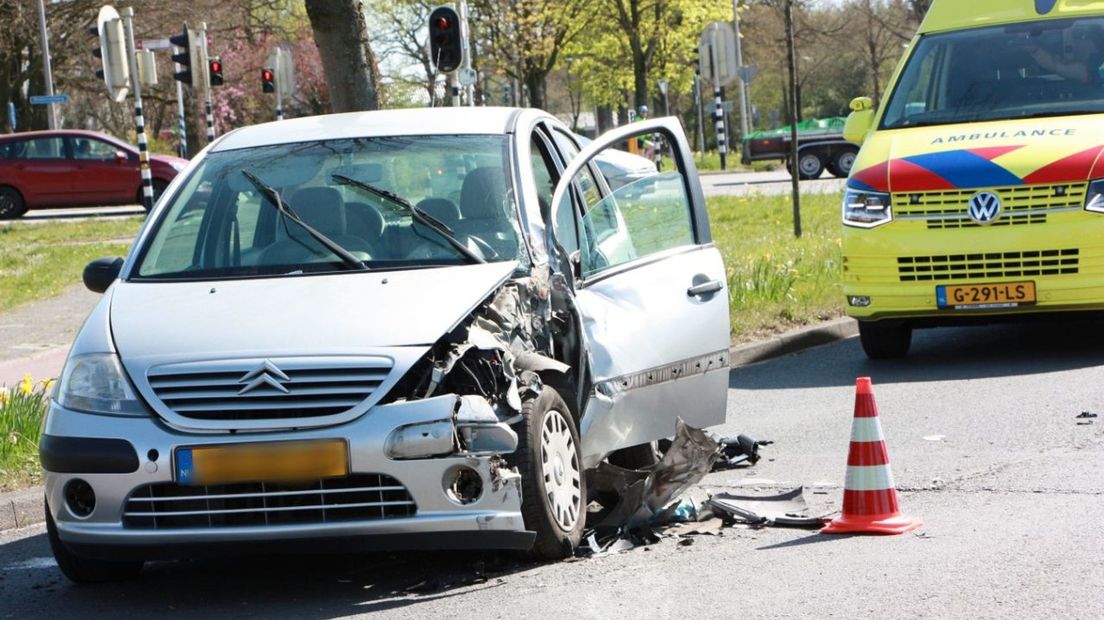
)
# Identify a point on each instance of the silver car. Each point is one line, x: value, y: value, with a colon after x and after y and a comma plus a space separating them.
x: 400, y: 329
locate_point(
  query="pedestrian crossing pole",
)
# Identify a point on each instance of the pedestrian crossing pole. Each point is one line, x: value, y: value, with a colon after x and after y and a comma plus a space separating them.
x: 183, y: 142
x: 127, y: 14
x: 206, y: 81
x: 718, y: 109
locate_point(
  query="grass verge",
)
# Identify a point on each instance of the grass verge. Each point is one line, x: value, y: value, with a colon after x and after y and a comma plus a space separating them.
x: 38, y: 261
x: 777, y: 282
x: 22, y: 408
x: 710, y: 161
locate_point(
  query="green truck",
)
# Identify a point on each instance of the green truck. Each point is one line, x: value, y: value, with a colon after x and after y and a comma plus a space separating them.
x: 820, y: 147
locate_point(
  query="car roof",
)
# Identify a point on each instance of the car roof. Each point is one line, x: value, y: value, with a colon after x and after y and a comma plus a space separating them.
x: 952, y: 15
x: 57, y: 133
x: 378, y: 123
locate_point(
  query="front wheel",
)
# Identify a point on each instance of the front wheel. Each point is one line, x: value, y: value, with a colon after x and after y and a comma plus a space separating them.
x: 12, y: 204
x: 809, y: 165
x: 883, y: 340
x: 553, y: 493
x: 86, y: 570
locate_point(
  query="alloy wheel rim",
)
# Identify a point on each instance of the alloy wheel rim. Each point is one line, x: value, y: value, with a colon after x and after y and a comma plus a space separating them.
x: 560, y: 470
x: 809, y: 164
x: 846, y: 162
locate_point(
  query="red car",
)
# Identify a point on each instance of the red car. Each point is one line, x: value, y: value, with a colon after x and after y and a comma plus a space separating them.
x: 70, y: 167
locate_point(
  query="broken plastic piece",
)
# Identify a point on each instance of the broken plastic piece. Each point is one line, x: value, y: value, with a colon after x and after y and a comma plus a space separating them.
x: 480, y: 428
x: 786, y: 509
x: 739, y: 451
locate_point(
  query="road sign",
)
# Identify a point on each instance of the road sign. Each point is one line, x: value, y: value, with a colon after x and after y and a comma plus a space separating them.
x: 47, y: 99
x: 281, y: 62
x: 467, y: 76
x: 748, y: 73
x: 152, y: 44
x: 718, y: 44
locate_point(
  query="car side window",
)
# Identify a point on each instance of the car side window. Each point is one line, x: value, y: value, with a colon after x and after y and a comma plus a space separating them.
x: 92, y: 149
x: 40, y: 148
x: 547, y: 174
x: 650, y: 213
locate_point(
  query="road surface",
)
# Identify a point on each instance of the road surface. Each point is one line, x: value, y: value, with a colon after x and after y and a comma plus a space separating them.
x: 984, y: 442
x: 764, y: 183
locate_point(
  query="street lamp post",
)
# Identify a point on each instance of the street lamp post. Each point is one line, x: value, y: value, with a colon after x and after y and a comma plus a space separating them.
x: 51, y: 112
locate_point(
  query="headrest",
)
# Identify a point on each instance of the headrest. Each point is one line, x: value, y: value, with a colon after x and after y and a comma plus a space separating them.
x: 441, y: 209
x: 322, y: 208
x: 482, y: 194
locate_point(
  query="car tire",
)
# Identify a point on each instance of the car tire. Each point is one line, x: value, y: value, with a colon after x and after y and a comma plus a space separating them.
x: 12, y: 204
x: 158, y: 189
x: 842, y: 162
x: 810, y: 165
x: 553, y: 489
x: 882, y: 340
x: 87, y: 570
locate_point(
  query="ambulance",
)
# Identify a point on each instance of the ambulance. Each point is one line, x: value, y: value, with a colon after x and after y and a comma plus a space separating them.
x: 978, y: 194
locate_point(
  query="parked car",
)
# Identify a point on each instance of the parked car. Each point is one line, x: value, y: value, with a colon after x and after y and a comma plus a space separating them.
x: 620, y: 167
x: 72, y: 168
x: 311, y: 343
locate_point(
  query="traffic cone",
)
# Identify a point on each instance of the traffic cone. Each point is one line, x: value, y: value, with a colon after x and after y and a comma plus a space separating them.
x: 869, y: 495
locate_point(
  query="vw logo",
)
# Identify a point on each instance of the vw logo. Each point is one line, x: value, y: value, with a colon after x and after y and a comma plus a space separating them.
x: 985, y: 207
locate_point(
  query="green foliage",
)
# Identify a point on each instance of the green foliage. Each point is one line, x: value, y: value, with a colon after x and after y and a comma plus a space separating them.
x: 22, y: 408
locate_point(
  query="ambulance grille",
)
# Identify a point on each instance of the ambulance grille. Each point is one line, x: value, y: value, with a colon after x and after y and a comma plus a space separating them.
x: 1020, y: 205
x: 989, y: 265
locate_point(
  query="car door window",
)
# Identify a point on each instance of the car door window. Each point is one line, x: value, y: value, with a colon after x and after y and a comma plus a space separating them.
x: 650, y: 211
x: 94, y: 150
x: 547, y: 174
x: 40, y: 148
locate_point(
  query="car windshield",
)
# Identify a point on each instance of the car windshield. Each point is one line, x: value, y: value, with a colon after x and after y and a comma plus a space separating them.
x: 220, y: 225
x: 1036, y: 69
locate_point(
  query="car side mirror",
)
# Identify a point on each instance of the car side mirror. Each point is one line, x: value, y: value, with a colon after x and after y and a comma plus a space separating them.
x: 860, y: 121
x: 100, y: 273
x: 121, y: 157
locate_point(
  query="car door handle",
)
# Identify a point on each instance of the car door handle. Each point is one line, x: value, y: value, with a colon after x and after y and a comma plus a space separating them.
x: 705, y: 288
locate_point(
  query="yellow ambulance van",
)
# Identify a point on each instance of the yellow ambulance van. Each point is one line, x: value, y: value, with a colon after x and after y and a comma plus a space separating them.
x: 978, y: 194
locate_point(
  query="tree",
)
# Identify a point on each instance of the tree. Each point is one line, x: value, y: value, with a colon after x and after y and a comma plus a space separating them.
x: 341, y: 34
x: 523, y: 39
x: 403, y: 33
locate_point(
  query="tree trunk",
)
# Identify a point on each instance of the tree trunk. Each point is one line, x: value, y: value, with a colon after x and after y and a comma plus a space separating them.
x: 604, y: 119
x: 795, y: 115
x: 534, y: 82
x: 350, y: 66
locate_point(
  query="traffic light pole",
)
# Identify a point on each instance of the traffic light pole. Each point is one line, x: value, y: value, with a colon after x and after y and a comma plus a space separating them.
x: 127, y: 13
x: 718, y: 109
x: 698, y: 108
x: 181, y: 123
x: 206, y: 77
x: 51, y: 110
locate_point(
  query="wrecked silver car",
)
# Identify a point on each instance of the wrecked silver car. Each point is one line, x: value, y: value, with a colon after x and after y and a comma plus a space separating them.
x: 401, y: 329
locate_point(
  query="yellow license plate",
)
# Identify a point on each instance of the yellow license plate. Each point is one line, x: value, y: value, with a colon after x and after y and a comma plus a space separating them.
x: 982, y: 296
x: 288, y: 461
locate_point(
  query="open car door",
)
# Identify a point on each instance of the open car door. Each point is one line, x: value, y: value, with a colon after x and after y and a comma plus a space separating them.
x: 650, y: 289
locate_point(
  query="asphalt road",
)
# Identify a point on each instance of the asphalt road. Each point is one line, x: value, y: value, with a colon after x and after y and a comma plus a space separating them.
x: 764, y: 183
x: 985, y: 446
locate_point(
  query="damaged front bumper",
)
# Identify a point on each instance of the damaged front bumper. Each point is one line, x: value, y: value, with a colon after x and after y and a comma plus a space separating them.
x: 446, y: 487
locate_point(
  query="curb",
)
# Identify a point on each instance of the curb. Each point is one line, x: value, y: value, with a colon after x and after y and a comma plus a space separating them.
x: 23, y: 508
x: 792, y: 342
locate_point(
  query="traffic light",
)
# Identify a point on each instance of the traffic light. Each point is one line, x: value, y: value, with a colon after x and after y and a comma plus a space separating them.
x: 111, y: 53
x: 214, y: 67
x: 268, y: 80
x: 445, y: 45
x: 190, y: 58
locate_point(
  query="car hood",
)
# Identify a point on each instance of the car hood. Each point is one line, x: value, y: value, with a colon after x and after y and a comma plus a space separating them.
x: 981, y: 155
x: 626, y: 161
x: 169, y: 160
x: 345, y: 313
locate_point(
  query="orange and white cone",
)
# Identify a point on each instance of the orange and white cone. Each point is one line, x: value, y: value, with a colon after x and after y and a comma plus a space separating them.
x: 869, y: 495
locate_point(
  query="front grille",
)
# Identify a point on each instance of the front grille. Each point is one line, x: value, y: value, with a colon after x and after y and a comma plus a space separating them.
x: 220, y: 390
x: 360, y: 497
x: 988, y: 265
x: 1020, y: 205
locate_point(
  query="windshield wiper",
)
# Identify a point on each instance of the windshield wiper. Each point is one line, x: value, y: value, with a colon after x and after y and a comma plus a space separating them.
x: 273, y: 197
x: 421, y: 216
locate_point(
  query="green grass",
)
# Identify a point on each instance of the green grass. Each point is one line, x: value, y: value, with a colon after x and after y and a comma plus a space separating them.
x: 22, y: 408
x: 711, y: 162
x: 777, y: 282
x: 38, y: 261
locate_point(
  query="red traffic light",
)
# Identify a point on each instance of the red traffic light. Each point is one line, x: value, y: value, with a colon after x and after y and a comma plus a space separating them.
x: 443, y: 24
x: 268, y: 80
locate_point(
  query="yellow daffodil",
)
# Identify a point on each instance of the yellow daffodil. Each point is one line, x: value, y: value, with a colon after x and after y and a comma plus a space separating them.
x: 26, y: 386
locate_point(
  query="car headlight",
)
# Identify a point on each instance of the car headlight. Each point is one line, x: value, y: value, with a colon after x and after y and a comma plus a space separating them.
x: 95, y: 383
x: 1094, y: 199
x: 866, y: 209
x: 178, y: 166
